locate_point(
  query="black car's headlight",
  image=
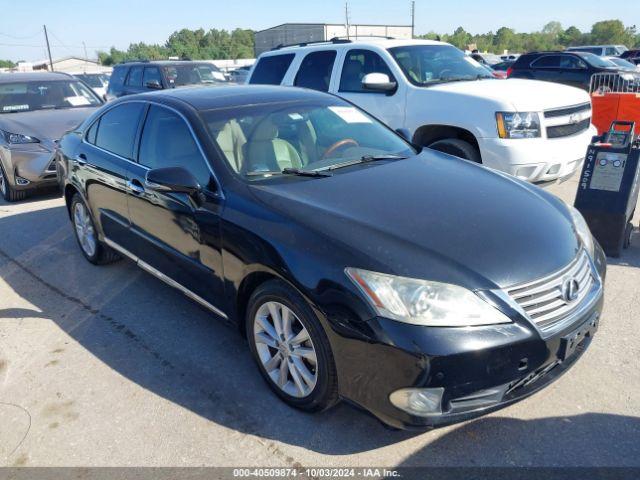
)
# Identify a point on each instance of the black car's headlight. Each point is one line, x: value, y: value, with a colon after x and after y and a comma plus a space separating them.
x: 423, y: 302
x: 18, y: 138
x: 582, y: 229
x: 518, y: 124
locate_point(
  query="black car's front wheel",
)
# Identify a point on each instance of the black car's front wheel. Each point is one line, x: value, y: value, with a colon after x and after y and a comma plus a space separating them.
x: 86, y: 235
x: 290, y: 347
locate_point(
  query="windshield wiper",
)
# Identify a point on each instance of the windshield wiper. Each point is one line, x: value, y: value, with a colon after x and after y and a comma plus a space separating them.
x: 459, y: 79
x: 305, y: 173
x: 288, y: 171
x: 365, y: 159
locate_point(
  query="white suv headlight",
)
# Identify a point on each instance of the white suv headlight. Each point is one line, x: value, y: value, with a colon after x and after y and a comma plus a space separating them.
x: 582, y: 229
x: 518, y: 124
x: 422, y: 302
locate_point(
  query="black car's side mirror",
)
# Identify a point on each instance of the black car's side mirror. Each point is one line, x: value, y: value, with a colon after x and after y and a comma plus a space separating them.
x: 154, y: 85
x: 173, y: 179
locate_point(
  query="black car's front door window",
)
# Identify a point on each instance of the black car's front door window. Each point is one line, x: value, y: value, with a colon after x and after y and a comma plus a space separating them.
x: 167, y: 142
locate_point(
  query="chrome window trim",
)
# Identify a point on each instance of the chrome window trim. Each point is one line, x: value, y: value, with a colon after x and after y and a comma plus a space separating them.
x: 532, y: 64
x: 219, y: 191
x: 166, y: 279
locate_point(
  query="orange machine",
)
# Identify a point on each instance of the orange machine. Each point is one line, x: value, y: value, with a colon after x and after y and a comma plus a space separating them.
x: 615, y: 98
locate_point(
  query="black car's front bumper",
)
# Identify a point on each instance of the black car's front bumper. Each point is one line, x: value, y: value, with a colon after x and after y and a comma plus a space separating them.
x: 481, y: 369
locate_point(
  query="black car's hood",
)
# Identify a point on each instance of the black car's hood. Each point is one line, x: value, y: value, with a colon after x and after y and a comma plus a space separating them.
x: 434, y: 217
x: 46, y: 125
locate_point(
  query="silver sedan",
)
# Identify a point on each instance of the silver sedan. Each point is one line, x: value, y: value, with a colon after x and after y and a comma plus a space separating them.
x: 36, y: 109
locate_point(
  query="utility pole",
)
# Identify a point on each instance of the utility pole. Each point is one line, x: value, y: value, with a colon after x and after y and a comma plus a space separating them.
x: 86, y: 58
x: 46, y: 37
x: 346, y: 17
x: 413, y: 18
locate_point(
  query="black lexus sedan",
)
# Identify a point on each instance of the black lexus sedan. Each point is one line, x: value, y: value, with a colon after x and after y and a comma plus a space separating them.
x: 424, y: 288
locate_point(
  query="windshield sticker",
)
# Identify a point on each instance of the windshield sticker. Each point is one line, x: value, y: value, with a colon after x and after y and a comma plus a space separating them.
x: 14, y: 108
x: 350, y: 114
x: 295, y: 116
x: 77, y: 101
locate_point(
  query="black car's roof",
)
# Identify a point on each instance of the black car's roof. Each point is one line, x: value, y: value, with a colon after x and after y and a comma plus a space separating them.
x: 33, y: 77
x: 214, y: 97
x: 165, y: 63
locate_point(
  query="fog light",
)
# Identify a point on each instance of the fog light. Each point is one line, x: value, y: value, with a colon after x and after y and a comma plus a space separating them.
x: 22, y: 181
x: 422, y: 402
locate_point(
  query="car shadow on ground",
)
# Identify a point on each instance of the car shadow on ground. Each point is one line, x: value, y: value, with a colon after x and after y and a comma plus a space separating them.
x: 587, y: 440
x: 630, y: 257
x: 168, y: 345
x: 44, y: 194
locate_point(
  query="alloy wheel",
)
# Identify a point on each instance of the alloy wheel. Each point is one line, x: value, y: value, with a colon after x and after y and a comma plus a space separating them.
x: 84, y: 229
x: 285, y: 349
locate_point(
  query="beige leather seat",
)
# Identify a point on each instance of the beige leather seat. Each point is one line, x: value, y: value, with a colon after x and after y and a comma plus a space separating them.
x: 231, y: 140
x: 264, y: 151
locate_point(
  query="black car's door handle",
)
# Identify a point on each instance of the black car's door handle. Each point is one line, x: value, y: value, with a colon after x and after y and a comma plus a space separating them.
x: 135, y: 187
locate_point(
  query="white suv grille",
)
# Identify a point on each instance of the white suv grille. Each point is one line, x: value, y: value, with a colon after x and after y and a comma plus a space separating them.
x: 550, y: 300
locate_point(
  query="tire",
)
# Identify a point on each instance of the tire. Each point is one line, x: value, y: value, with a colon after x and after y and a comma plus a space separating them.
x: 457, y: 148
x: 628, y: 232
x: 93, y: 249
x: 323, y: 393
x: 9, y: 193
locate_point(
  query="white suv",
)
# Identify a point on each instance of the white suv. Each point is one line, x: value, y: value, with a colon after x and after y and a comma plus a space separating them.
x: 440, y: 98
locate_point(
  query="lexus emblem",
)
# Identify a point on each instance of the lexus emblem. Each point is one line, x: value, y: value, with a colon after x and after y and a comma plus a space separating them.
x: 570, y: 289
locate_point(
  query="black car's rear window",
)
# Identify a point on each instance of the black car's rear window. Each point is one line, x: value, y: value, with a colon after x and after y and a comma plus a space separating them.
x: 271, y: 70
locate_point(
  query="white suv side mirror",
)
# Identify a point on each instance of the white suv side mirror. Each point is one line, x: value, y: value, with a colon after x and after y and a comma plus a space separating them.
x: 378, y: 82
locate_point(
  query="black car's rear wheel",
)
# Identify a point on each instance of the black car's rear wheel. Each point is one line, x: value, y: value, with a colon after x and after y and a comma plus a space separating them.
x: 9, y: 193
x: 290, y: 347
x: 93, y: 249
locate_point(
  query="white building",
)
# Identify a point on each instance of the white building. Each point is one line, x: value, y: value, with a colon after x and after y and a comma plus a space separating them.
x: 295, y: 33
x: 71, y: 65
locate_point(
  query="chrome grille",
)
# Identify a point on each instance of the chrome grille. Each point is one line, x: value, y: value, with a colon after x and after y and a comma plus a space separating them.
x: 545, y: 300
x: 561, y: 112
x: 567, y: 121
x: 569, y: 129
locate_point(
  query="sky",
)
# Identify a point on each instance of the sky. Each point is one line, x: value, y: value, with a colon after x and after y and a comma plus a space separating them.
x: 118, y: 23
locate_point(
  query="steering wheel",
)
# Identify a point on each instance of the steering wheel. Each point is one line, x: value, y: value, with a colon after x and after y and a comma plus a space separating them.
x: 339, y: 144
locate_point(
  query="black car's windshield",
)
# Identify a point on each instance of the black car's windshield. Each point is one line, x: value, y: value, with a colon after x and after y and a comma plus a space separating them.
x: 260, y: 141
x: 424, y: 65
x: 620, y: 62
x: 192, y: 74
x: 596, y: 61
x: 44, y: 95
x: 93, y: 79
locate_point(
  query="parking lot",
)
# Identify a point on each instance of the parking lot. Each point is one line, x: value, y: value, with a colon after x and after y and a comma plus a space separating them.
x: 108, y: 366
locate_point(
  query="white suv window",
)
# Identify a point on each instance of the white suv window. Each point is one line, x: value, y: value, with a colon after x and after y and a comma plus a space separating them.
x: 357, y: 64
x: 315, y: 70
x: 271, y: 70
